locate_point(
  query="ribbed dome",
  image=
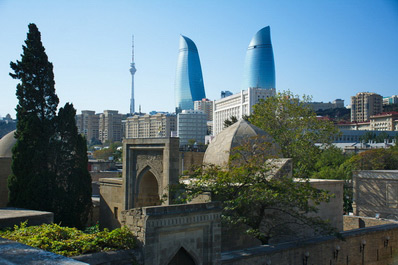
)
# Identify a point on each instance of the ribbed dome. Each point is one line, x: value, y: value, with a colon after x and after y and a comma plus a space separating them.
x: 241, y: 132
x: 6, y: 144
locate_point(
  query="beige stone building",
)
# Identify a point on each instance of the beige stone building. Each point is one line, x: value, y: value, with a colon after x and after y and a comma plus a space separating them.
x: 364, y: 105
x: 88, y: 124
x: 110, y: 126
x: 387, y: 121
x: 354, y: 126
x: 150, y: 126
x: 206, y: 106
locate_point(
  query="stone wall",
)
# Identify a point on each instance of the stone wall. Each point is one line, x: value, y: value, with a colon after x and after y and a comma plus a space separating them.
x: 12, y: 216
x: 95, y: 176
x: 332, y: 210
x: 5, y: 171
x: 354, y: 222
x: 111, y: 202
x: 189, y: 159
x: 121, y: 257
x: 165, y: 232
x: 376, y: 192
x: 376, y: 245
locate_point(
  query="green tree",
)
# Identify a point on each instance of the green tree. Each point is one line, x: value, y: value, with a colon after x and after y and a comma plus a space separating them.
x: 375, y: 159
x: 49, y: 168
x: 31, y: 181
x: 368, y: 136
x: 295, y: 127
x: 267, y: 206
x: 331, y: 164
x: 230, y: 121
x: 112, y: 150
x: 72, y: 201
x: 328, y: 164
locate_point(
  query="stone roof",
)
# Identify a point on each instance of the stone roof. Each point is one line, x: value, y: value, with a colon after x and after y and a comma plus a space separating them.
x: 6, y: 144
x: 218, y: 151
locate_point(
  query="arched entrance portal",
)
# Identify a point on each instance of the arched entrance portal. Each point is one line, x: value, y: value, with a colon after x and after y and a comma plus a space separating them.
x: 148, y: 193
x: 182, y: 257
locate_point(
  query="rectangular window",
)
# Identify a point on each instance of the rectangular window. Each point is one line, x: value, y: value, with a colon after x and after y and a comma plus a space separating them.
x: 115, y: 212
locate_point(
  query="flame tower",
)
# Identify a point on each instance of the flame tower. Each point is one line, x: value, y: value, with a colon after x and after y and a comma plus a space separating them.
x: 259, y: 69
x: 132, y: 71
x: 189, y: 85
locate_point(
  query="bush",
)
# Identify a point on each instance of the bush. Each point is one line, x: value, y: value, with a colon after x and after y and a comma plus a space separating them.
x: 70, y: 241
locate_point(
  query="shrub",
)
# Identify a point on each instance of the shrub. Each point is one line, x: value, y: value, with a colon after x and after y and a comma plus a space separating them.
x: 68, y: 241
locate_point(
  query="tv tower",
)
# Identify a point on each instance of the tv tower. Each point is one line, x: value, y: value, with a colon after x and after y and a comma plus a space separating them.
x: 132, y: 71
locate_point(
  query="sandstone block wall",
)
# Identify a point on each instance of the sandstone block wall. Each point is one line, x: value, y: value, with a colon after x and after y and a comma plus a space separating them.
x: 332, y: 210
x: 111, y: 202
x: 189, y: 159
x: 355, y: 222
x: 376, y: 192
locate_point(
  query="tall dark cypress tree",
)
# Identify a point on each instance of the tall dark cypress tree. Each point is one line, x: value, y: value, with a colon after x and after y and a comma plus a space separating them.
x: 31, y: 181
x: 73, y: 199
x: 49, y: 168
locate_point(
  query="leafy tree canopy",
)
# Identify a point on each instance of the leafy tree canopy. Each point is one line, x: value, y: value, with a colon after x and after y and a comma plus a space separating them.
x: 295, y: 127
x: 375, y: 159
x: 267, y: 206
x: 106, y: 152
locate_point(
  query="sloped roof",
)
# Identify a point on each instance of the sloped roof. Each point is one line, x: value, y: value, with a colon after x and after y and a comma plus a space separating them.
x: 218, y: 151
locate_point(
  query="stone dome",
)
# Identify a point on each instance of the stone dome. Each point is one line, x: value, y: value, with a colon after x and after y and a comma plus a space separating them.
x: 218, y: 151
x: 6, y: 144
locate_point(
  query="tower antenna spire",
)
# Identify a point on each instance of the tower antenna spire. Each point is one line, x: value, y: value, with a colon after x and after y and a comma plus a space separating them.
x: 132, y: 71
x: 132, y: 50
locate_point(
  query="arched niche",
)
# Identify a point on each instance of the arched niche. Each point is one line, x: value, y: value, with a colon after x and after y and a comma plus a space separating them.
x: 148, y: 190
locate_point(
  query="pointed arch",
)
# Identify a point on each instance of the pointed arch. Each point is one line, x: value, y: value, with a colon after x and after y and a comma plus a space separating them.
x: 147, y: 189
x: 182, y: 257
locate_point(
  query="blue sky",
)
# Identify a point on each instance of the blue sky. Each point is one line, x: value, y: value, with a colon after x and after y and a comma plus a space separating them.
x: 327, y: 49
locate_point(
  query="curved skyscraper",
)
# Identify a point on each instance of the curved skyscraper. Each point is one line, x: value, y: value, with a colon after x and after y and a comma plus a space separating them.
x: 259, y: 68
x: 189, y: 80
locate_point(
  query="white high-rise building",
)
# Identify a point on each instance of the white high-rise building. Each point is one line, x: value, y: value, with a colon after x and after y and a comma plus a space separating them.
x: 238, y: 105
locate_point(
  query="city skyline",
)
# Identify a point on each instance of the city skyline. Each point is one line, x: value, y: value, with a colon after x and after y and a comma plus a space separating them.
x: 327, y: 49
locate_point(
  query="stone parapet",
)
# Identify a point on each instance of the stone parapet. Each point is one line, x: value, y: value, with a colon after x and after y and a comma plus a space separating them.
x: 355, y: 222
x: 376, y: 245
x: 14, y: 253
x: 13, y: 216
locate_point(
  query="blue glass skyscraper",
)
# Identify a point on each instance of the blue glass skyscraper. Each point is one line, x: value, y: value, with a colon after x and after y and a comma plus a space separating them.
x: 259, y: 68
x: 189, y: 80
